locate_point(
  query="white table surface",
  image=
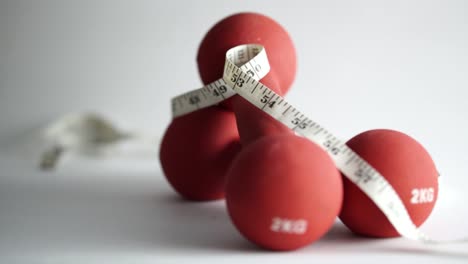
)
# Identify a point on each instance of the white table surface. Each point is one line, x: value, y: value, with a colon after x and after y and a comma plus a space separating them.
x: 362, y: 65
x: 121, y: 210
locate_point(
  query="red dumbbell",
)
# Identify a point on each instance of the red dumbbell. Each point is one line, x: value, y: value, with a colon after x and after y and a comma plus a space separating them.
x: 197, y: 148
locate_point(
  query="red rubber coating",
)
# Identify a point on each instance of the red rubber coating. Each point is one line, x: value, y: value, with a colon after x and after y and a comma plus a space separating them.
x: 407, y: 167
x: 254, y: 123
x: 283, y: 177
x: 247, y: 28
x: 196, y: 151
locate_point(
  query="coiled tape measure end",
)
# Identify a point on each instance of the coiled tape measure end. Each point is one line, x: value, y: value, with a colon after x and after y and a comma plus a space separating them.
x: 245, y: 65
x: 250, y: 58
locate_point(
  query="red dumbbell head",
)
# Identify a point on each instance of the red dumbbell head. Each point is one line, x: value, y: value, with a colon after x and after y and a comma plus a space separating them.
x: 283, y: 192
x: 197, y: 150
x: 247, y: 28
x: 407, y: 167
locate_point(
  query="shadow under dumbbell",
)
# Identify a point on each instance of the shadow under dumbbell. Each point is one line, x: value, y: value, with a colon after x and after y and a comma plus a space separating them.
x: 200, y: 226
x: 206, y: 225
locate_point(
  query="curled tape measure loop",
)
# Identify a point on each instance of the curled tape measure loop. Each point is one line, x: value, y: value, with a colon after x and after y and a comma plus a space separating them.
x: 251, y: 59
x: 244, y: 66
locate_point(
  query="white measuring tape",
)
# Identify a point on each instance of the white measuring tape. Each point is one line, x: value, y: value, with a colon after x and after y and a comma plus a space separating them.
x: 244, y: 66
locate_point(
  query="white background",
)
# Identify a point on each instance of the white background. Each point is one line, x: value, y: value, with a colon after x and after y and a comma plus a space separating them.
x: 362, y: 65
